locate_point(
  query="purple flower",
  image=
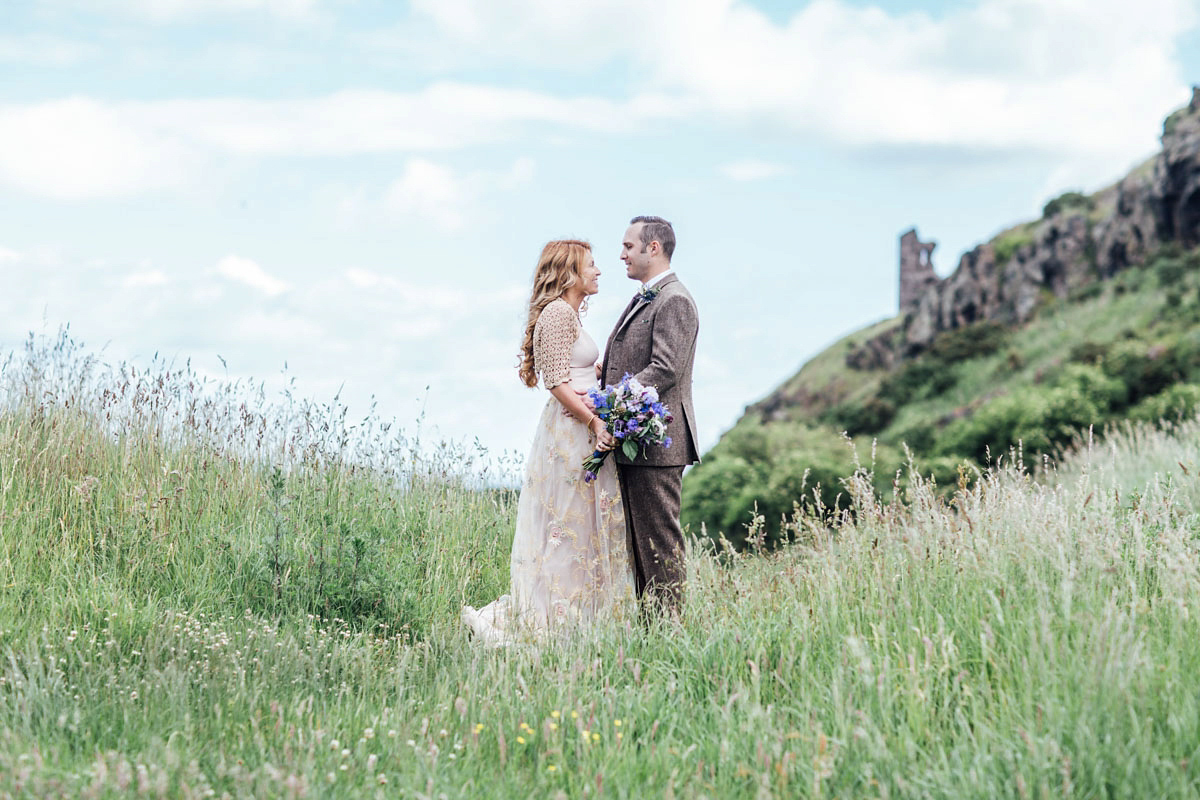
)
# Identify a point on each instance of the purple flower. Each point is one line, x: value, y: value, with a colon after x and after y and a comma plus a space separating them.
x: 667, y: 442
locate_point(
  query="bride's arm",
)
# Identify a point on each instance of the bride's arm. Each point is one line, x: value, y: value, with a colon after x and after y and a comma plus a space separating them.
x: 555, y: 334
x: 574, y: 405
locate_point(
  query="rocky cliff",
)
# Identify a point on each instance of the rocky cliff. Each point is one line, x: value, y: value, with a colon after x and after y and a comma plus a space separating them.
x: 1080, y: 240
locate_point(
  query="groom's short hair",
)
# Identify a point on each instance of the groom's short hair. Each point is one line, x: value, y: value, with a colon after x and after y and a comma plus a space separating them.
x: 656, y: 229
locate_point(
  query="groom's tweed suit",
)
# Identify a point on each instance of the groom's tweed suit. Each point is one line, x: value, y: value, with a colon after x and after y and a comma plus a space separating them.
x: 656, y: 342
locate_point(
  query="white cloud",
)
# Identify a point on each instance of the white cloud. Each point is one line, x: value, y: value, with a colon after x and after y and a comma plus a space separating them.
x: 1046, y: 76
x: 443, y: 197
x: 8, y: 256
x: 752, y: 170
x: 43, y: 51
x: 247, y: 272
x: 80, y: 147
x: 147, y: 278
x: 430, y: 191
x: 172, y: 10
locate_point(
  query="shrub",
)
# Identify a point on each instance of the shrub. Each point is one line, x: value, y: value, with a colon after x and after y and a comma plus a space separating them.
x: 1087, y: 352
x: 916, y: 380
x: 1089, y: 291
x: 1067, y: 201
x: 871, y: 416
x: 970, y: 341
x: 1006, y: 245
x: 724, y: 492
x: 1181, y: 400
x: 1041, y: 419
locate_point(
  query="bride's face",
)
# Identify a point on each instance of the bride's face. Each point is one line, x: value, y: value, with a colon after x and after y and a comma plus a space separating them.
x: 590, y: 276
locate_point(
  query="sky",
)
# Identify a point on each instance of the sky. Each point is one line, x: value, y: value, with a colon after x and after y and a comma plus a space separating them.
x: 351, y: 195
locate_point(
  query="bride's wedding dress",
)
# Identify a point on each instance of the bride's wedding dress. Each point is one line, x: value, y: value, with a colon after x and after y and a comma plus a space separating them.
x: 570, y: 557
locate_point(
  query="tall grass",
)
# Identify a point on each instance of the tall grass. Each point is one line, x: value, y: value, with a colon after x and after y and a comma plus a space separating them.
x: 187, y: 609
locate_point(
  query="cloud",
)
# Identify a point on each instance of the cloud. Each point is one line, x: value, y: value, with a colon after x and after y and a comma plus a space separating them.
x: 1044, y: 76
x: 83, y: 148
x: 247, y: 272
x: 147, y: 278
x: 752, y: 170
x: 43, y: 51
x: 430, y: 191
x: 437, y: 194
x: 80, y: 148
x: 179, y: 10
x: 8, y: 256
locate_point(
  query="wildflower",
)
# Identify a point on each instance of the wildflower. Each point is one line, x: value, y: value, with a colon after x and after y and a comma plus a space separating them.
x: 554, y: 714
x: 595, y: 737
x: 392, y: 734
x: 617, y: 722
x: 369, y: 733
x: 382, y: 778
x: 551, y: 768
x: 520, y: 740
x: 574, y: 715
x: 478, y: 728
x: 345, y: 752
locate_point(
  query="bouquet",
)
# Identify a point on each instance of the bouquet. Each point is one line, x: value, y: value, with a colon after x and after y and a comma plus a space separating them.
x: 633, y: 415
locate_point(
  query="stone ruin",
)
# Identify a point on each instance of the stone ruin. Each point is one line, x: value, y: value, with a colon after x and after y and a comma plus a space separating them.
x: 916, y: 270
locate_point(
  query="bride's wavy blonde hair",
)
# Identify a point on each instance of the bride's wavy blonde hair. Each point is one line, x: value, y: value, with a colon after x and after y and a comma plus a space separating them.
x: 558, y: 269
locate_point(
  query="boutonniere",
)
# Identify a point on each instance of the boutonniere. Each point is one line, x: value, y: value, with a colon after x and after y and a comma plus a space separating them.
x: 646, y: 293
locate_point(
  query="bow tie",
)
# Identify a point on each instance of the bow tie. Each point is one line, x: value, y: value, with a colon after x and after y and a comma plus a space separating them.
x: 646, y: 294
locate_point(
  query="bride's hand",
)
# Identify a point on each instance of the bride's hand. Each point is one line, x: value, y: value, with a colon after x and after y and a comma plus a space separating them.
x: 604, y: 439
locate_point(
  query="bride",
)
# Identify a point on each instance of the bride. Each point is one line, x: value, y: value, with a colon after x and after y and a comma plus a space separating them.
x: 570, y: 560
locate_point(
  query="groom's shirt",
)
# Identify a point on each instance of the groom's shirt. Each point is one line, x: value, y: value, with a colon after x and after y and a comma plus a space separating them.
x: 659, y: 278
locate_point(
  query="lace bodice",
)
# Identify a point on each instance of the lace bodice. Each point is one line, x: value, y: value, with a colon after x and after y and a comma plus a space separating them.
x: 562, y: 349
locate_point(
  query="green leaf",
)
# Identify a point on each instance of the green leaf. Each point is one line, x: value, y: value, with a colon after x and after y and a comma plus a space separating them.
x: 630, y: 449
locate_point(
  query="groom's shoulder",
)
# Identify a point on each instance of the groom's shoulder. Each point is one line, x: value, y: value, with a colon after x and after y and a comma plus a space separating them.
x: 675, y: 288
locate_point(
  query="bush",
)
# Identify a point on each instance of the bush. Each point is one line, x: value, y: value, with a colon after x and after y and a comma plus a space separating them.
x: 790, y: 461
x: 1006, y: 245
x: 917, y: 380
x: 1088, y: 352
x: 1180, y: 401
x: 1067, y: 201
x: 1147, y: 369
x: 970, y: 341
x: 871, y: 416
x: 1170, y: 271
x: 1041, y: 419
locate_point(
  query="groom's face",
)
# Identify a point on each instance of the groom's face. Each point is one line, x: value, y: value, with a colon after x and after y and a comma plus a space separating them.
x: 635, y: 254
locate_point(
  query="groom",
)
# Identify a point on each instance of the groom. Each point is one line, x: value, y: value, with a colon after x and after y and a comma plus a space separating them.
x: 655, y: 341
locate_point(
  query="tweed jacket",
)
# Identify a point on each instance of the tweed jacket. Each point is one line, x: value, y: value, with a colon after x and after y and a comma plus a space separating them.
x: 655, y: 342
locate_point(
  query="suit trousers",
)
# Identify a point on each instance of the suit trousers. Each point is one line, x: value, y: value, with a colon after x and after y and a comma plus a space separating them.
x: 651, y: 496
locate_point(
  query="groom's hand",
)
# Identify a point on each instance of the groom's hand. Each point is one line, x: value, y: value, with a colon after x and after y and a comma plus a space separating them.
x: 583, y: 398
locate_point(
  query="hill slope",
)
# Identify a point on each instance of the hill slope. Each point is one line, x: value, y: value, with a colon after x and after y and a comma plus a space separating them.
x: 1087, y: 316
x: 179, y: 620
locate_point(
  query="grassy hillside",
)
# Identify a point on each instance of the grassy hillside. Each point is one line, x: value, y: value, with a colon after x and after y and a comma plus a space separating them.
x: 1127, y: 348
x: 204, y: 593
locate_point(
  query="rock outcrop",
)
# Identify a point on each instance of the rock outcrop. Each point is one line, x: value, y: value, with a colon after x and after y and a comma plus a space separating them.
x: 1079, y: 241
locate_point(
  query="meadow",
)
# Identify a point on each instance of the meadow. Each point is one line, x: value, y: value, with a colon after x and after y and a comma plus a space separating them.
x: 208, y: 592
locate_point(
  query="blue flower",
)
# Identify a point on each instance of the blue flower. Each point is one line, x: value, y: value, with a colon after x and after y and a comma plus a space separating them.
x: 667, y: 442
x: 646, y: 294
